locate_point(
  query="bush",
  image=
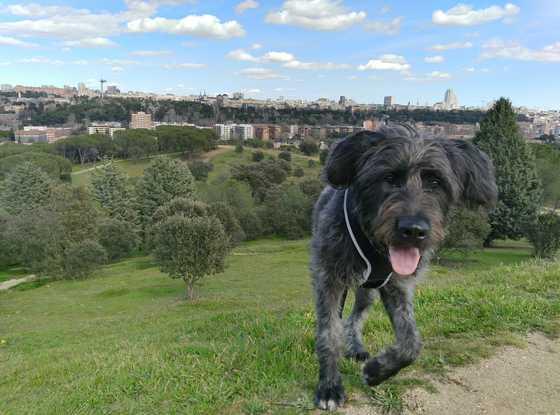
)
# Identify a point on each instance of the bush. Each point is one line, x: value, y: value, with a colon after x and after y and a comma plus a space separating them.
x: 285, y: 155
x: 258, y: 156
x: 466, y: 231
x: 81, y: 259
x: 251, y: 224
x: 311, y: 164
x: 323, y: 154
x: 190, y: 248
x: 309, y: 147
x: 298, y: 172
x: 118, y: 238
x: 200, y: 169
x: 239, y: 147
x: 229, y: 221
x: 544, y: 234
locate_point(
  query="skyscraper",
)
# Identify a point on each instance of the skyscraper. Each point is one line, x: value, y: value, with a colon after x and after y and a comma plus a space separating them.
x: 389, y: 101
x: 450, y: 100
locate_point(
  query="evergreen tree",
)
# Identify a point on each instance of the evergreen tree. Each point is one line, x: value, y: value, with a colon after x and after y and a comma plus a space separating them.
x: 520, y: 195
x: 164, y: 180
x: 111, y: 189
x: 25, y: 188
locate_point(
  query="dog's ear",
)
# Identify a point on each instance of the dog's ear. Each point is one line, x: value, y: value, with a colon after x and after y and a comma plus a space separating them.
x: 475, y: 172
x: 340, y: 167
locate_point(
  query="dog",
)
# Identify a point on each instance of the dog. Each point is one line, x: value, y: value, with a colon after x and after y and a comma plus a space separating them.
x: 375, y: 226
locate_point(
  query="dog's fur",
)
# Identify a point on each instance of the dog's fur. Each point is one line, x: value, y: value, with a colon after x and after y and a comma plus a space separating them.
x: 392, y: 174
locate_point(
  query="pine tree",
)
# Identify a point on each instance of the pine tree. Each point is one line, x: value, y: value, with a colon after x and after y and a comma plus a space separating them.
x: 520, y: 194
x: 111, y: 189
x: 165, y: 179
x: 25, y: 188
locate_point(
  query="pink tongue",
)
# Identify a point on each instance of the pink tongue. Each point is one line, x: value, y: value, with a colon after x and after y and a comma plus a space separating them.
x: 404, y: 260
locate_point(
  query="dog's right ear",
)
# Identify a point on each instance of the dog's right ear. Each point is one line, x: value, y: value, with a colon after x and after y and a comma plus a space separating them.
x: 341, y: 168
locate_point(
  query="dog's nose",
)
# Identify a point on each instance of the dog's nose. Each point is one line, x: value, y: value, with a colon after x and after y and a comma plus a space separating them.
x: 413, y: 228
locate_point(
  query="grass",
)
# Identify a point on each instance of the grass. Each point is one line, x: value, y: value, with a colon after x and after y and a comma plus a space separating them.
x: 124, y: 342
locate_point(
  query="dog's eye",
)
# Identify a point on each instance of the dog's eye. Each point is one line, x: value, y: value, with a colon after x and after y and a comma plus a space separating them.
x: 432, y: 181
x: 392, y: 180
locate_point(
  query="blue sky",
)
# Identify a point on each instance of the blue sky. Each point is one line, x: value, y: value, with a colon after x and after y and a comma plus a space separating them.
x: 363, y: 49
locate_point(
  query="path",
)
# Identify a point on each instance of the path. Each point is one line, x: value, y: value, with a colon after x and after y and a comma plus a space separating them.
x: 513, y: 382
x: 6, y: 285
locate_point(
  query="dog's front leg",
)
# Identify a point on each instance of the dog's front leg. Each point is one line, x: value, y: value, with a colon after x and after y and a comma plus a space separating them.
x: 397, y: 298
x: 355, y: 323
x: 329, y: 344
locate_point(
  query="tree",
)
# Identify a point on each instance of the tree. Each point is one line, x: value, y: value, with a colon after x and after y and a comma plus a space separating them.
x: 200, y: 169
x: 227, y: 217
x: 190, y: 248
x: 56, y: 167
x: 135, y: 144
x: 285, y: 155
x: 261, y: 176
x: 519, y: 190
x: 164, y: 180
x: 257, y: 156
x: 119, y: 238
x: 544, y: 234
x: 323, y: 154
x: 111, y: 190
x: 466, y: 231
x: 25, y: 188
x: 81, y: 259
x: 309, y: 147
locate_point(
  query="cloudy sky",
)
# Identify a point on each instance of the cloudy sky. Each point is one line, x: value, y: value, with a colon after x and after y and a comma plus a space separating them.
x: 363, y: 49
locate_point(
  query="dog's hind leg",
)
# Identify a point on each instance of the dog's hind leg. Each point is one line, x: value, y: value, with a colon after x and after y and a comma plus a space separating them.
x: 330, y: 341
x: 397, y: 298
x: 355, y: 323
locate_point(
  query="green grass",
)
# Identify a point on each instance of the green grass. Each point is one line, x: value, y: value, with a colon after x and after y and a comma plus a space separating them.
x: 124, y: 342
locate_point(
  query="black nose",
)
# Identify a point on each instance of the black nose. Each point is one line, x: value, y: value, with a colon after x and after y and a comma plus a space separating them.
x: 413, y: 228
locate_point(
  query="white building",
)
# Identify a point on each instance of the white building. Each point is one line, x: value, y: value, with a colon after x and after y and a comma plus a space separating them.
x: 450, y: 101
x: 105, y: 128
x: 228, y: 132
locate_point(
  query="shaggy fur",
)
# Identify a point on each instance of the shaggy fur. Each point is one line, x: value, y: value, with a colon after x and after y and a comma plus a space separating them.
x: 394, y: 177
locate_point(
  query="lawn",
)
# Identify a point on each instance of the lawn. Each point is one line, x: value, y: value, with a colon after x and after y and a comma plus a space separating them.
x: 124, y: 342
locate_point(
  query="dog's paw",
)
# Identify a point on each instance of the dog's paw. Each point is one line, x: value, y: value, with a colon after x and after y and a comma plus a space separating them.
x: 360, y: 356
x: 329, y: 398
x: 374, y: 373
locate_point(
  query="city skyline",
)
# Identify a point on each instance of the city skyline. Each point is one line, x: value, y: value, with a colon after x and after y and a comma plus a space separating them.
x: 482, y: 50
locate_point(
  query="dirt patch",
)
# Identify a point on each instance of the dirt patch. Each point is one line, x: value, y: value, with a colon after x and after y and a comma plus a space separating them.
x: 15, y: 282
x: 515, y: 381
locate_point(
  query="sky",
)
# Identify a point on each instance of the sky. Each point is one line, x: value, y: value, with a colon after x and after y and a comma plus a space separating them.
x: 308, y: 49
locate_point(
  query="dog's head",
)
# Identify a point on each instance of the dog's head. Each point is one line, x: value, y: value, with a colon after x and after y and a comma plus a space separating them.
x: 403, y: 187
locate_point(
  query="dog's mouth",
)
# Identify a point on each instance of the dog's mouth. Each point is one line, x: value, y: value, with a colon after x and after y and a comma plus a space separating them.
x: 404, y: 260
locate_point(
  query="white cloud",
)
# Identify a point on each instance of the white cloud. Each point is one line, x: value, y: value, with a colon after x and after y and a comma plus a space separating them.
x: 279, y: 57
x: 80, y: 62
x: 150, y: 53
x: 295, y: 64
x: 33, y: 10
x: 94, y: 42
x: 118, y: 62
x: 497, y: 49
x: 11, y: 41
x: 432, y: 76
x: 186, y: 65
x: 253, y: 91
x: 387, y: 62
x: 385, y: 9
x: 434, y: 59
x: 241, y: 55
x: 42, y: 60
x: 256, y: 46
x: 450, y: 46
x: 316, y: 15
x: 246, y: 5
x: 470, y: 69
x: 261, y: 74
x: 117, y: 69
x: 391, y: 28
x: 466, y: 15
x: 195, y: 25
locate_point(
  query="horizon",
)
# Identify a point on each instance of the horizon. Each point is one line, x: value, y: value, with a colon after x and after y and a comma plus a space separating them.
x: 482, y: 50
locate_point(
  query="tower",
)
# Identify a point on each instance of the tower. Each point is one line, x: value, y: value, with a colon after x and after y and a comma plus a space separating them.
x: 102, y: 82
x: 450, y: 100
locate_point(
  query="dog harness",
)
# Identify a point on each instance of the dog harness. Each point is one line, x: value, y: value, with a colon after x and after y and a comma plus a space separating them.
x: 378, y: 270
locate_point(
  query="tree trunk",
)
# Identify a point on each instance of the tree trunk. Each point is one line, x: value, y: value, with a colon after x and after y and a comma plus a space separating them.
x: 189, y: 290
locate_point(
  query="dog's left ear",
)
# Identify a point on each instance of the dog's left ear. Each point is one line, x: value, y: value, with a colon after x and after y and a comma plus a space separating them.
x: 340, y: 167
x: 475, y: 171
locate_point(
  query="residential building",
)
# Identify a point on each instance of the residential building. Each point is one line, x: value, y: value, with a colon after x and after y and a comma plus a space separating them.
x: 141, y: 120
x: 243, y: 132
x: 41, y: 134
x: 9, y: 121
x: 112, y: 90
x: 389, y: 101
x: 450, y: 100
x: 105, y: 128
x: 262, y: 132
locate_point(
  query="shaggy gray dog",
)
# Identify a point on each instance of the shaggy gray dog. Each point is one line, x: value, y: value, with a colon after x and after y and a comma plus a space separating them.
x: 374, y: 228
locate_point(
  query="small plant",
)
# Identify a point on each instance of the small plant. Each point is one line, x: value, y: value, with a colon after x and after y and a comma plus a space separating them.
x: 299, y: 172
x: 544, y: 234
x: 285, y: 155
x: 258, y: 156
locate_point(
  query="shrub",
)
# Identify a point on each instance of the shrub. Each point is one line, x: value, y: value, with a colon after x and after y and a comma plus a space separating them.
x: 544, y: 234
x: 81, y: 259
x: 466, y: 230
x: 251, y: 224
x: 311, y: 164
x: 285, y: 155
x: 309, y: 147
x: 239, y: 147
x: 323, y: 154
x: 229, y: 221
x: 118, y: 238
x: 200, y: 169
x: 190, y: 248
x: 298, y: 172
x: 257, y: 156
